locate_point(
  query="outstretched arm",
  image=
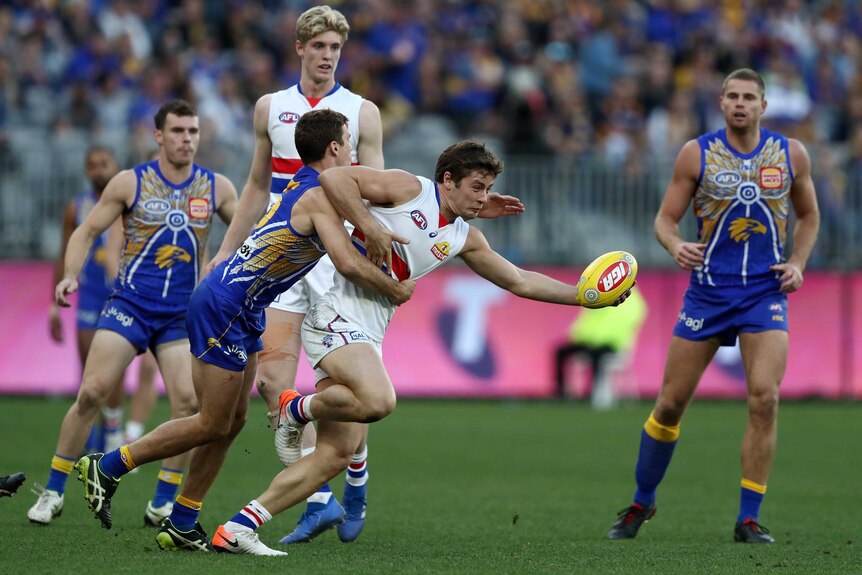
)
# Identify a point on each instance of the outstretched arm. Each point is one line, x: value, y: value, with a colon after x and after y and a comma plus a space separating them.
x: 483, y: 260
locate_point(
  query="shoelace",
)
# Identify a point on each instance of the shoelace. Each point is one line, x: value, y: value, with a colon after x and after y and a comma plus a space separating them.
x: 756, y: 527
x: 629, y: 513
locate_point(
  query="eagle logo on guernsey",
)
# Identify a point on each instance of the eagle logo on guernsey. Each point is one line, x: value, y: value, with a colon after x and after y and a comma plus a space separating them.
x: 199, y: 208
x: 167, y: 255
x: 741, y: 229
x: 419, y: 219
x: 440, y: 250
x: 770, y: 178
x: 288, y: 117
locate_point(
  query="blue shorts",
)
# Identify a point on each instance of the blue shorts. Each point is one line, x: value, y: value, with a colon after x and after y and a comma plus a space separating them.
x: 222, y: 332
x: 90, y: 304
x: 723, y: 312
x: 142, y: 322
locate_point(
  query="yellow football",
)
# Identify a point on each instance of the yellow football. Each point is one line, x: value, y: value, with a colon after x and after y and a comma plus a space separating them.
x: 606, y: 279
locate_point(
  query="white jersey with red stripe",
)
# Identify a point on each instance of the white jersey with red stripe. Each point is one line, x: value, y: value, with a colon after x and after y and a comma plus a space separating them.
x: 433, y: 241
x: 285, y: 109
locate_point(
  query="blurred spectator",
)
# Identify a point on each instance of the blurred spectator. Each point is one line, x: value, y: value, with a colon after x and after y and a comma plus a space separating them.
x: 605, y: 337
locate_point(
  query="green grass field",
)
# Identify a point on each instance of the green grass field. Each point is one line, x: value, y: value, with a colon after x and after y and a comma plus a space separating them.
x: 486, y: 487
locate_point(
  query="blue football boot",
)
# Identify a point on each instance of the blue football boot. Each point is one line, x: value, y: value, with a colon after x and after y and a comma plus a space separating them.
x: 318, y: 517
x: 354, y: 504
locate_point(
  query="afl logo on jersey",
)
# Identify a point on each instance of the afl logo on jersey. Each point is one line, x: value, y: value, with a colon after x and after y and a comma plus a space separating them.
x: 288, y: 117
x: 727, y: 179
x: 157, y: 206
x: 419, y: 219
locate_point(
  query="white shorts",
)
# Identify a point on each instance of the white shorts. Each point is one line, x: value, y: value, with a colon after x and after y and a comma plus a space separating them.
x: 305, y: 292
x: 324, y: 331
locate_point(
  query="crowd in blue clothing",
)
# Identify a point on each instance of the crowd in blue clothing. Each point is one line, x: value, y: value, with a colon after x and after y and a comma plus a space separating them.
x: 625, y: 81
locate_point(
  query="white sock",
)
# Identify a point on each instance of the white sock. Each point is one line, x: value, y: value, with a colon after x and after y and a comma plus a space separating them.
x: 357, y: 472
x: 254, y: 512
x: 134, y: 431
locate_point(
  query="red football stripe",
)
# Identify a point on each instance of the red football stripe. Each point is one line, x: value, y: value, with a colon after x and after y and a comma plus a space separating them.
x: 251, y: 512
x: 399, y: 266
x: 285, y: 166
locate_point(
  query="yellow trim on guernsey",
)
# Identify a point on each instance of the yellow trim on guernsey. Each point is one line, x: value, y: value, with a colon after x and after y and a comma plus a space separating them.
x: 752, y: 486
x: 661, y: 432
x: 185, y: 501
x: 62, y: 464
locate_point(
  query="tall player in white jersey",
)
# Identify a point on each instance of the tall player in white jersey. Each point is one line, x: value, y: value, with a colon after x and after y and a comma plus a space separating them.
x: 343, y: 331
x: 320, y: 35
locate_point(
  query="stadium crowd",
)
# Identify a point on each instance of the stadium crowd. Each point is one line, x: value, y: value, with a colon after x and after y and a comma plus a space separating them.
x: 627, y: 81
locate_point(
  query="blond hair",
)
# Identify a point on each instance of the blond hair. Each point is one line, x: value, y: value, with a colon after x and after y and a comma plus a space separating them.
x: 318, y: 20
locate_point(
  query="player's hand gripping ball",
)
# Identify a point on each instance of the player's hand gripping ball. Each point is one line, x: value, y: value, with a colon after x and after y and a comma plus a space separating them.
x: 606, y: 279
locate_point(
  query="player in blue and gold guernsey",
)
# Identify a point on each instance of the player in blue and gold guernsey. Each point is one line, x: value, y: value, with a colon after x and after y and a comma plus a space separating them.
x: 744, y: 182
x: 226, y: 319
x: 167, y: 207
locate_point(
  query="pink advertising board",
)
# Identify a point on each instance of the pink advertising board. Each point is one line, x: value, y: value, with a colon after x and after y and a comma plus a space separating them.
x: 460, y: 336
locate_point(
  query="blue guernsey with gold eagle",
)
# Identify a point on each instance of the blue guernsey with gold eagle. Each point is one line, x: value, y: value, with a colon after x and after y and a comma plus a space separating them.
x: 274, y: 257
x: 166, y: 230
x: 225, y: 319
x: 742, y: 203
x: 94, y: 286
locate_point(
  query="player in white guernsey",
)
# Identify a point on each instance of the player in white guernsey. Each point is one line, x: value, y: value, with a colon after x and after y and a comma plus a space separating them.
x: 743, y: 181
x: 343, y: 332
x: 320, y: 35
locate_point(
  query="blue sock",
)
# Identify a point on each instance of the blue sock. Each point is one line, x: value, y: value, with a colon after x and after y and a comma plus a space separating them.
x: 61, y: 467
x: 749, y: 502
x: 96, y: 439
x: 244, y: 520
x: 168, y: 485
x: 653, y: 459
x: 185, y: 513
x: 112, y: 464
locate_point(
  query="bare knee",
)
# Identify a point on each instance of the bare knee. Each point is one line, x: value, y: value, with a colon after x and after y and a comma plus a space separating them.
x: 763, y: 405
x: 183, y: 405
x: 92, y: 395
x: 669, y: 410
x: 378, y: 407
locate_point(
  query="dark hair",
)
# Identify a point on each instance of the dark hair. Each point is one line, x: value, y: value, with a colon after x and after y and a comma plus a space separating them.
x: 745, y: 74
x: 315, y: 131
x: 175, y: 107
x: 465, y: 157
x: 97, y: 148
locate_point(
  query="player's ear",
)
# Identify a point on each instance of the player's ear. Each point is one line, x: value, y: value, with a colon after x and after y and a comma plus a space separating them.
x: 447, y: 180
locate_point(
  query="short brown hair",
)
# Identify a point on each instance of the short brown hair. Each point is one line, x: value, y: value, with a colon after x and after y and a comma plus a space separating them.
x: 175, y: 107
x: 745, y: 74
x: 465, y: 157
x: 318, y: 20
x: 314, y: 132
